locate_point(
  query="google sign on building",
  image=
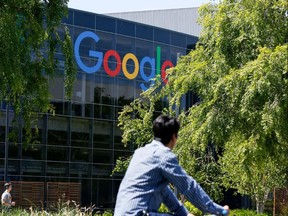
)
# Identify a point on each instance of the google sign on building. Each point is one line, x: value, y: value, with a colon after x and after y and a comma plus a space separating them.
x: 139, y: 64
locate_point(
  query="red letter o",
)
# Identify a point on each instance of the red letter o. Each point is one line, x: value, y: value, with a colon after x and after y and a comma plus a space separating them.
x: 166, y: 64
x: 107, y: 55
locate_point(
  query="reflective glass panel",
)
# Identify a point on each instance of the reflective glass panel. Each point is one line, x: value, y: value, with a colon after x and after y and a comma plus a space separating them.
x: 178, y: 39
x: 126, y: 28
x: 145, y: 32
x: 102, y: 156
x: 162, y: 35
x: 125, y: 91
x: 80, y: 129
x: 55, y: 153
x: 84, y: 19
x: 80, y: 154
x: 102, y: 134
x: 57, y: 130
x: 57, y: 169
x: 105, y: 23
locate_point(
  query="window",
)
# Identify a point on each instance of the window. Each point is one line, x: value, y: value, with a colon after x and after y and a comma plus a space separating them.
x: 2, y: 150
x: 80, y: 170
x: 56, y: 153
x: 32, y: 167
x: 125, y: 91
x: 32, y: 152
x: 56, y: 86
x: 162, y: 36
x: 126, y: 28
x: 107, y: 41
x: 144, y: 48
x: 57, y: 131
x: 178, y: 39
x: 84, y: 19
x: 145, y: 32
x: 107, y: 112
x: 80, y: 132
x: 102, y: 156
x: 100, y: 170
x: 125, y: 45
x: 82, y: 109
x: 57, y: 169
x: 164, y: 51
x: 102, y: 134
x: 105, y: 23
x: 80, y: 154
x: 2, y: 128
x: 79, y: 87
x: 13, y: 150
x: 108, y: 89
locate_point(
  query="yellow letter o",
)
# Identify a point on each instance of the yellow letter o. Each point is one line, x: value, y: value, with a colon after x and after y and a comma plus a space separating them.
x: 134, y: 74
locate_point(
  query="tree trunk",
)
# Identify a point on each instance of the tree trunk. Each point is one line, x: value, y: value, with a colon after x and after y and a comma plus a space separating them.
x: 260, y: 206
x: 260, y: 202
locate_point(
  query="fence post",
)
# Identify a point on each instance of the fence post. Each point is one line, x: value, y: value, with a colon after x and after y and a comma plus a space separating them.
x: 274, y: 205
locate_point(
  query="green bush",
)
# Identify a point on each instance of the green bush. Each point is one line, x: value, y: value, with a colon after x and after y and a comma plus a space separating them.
x: 163, y: 208
x: 108, y: 213
x: 64, y: 211
x: 15, y: 211
x: 244, y: 212
x: 192, y: 209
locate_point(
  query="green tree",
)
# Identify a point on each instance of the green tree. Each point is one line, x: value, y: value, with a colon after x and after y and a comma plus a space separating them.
x: 29, y: 38
x: 248, y: 170
x: 254, y: 160
x: 239, y: 72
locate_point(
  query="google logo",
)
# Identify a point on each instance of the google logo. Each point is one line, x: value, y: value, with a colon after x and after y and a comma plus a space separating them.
x: 103, y: 58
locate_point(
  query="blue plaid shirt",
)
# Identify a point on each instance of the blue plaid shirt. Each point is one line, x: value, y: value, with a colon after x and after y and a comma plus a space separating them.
x: 145, y: 184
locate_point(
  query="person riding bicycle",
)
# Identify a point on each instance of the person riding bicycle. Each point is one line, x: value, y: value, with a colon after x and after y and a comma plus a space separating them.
x: 146, y: 182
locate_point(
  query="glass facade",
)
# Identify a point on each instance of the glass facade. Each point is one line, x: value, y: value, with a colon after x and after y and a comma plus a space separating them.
x: 81, y: 142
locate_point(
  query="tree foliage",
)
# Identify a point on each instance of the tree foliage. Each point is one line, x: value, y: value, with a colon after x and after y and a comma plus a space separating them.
x: 239, y: 72
x: 29, y: 39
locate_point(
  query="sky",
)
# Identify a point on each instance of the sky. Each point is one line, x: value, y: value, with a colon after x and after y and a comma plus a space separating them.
x: 112, y: 6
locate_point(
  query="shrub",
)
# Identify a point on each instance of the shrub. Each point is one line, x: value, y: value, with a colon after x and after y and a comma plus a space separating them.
x: 163, y: 208
x: 244, y: 212
x: 192, y: 209
x: 108, y: 213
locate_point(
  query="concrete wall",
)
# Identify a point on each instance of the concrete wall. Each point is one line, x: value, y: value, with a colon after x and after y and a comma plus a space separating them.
x: 182, y: 20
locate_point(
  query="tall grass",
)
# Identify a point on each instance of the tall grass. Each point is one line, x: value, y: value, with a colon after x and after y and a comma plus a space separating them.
x: 69, y: 208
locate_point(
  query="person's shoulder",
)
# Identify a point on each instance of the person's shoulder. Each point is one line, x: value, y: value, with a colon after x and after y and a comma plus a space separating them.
x: 158, y: 147
x: 165, y: 154
x: 4, y: 195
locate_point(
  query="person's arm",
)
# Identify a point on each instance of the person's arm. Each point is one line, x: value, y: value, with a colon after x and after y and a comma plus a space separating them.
x: 4, y: 201
x: 171, y: 201
x: 175, y: 174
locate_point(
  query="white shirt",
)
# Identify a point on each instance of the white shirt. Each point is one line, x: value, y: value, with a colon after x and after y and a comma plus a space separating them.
x: 6, y: 198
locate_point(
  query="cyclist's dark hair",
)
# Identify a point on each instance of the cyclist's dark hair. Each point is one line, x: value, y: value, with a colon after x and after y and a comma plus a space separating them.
x: 7, y: 185
x: 164, y: 127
